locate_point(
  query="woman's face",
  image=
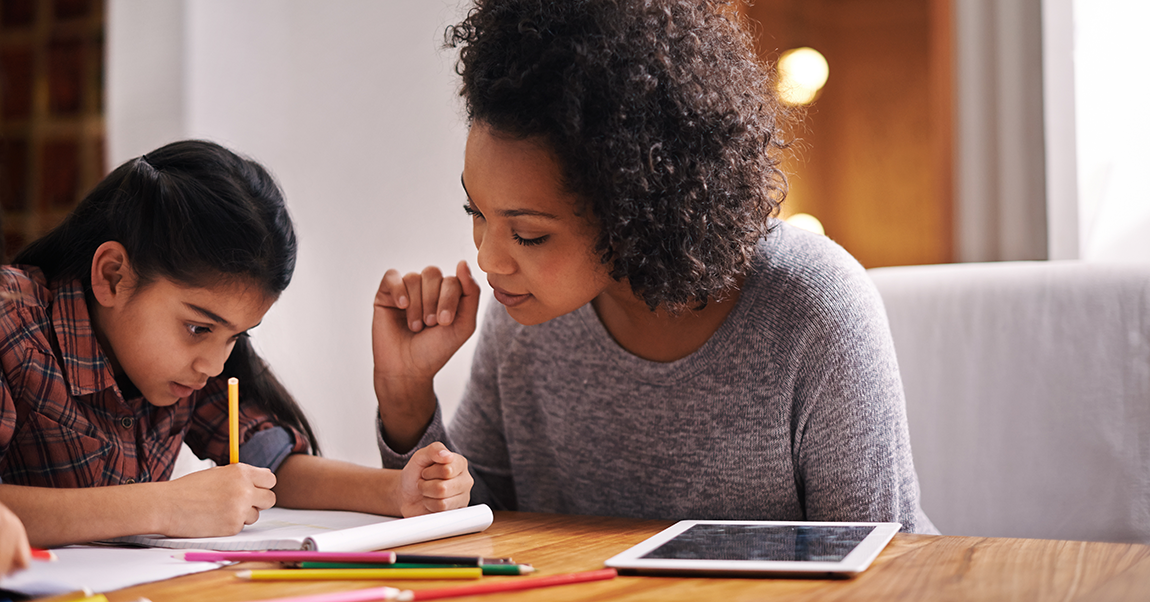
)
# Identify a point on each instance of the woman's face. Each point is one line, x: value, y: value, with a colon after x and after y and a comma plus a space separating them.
x: 537, y: 253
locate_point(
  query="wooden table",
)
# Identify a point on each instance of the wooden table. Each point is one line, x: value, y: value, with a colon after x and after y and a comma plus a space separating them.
x: 912, y: 567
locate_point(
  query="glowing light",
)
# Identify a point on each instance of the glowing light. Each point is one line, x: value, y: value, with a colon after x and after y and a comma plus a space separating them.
x: 807, y: 222
x: 802, y: 73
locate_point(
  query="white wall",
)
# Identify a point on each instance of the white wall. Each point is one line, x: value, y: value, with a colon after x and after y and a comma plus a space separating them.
x: 1111, y: 54
x: 353, y: 106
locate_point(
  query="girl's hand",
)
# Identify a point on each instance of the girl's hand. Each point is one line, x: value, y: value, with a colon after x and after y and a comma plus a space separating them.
x: 419, y: 322
x: 434, y: 480
x: 218, y: 501
x: 14, y: 551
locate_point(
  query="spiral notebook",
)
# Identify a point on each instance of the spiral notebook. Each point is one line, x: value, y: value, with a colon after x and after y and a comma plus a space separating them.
x: 330, y: 531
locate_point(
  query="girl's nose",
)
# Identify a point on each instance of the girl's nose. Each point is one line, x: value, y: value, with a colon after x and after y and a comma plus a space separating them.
x: 211, y: 361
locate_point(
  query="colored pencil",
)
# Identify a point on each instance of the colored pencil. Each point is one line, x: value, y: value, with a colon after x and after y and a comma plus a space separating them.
x: 460, y: 560
x: 488, y: 569
x: 507, y: 585
x: 468, y: 572
x: 356, y: 595
x: 234, y: 420
x: 40, y: 554
x: 289, y: 556
x: 407, y: 595
x: 73, y: 596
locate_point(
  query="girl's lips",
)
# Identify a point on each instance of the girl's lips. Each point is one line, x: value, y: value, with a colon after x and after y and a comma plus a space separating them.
x: 183, y: 391
x: 180, y: 390
x: 509, y: 300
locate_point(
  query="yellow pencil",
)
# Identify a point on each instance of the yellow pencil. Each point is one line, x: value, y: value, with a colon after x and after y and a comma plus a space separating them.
x: 234, y: 420
x: 469, y: 572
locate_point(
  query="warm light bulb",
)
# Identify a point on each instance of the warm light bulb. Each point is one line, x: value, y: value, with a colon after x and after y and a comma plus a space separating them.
x: 802, y: 73
x: 807, y: 222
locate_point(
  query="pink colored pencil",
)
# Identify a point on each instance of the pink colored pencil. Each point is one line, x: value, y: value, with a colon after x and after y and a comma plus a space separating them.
x: 407, y: 595
x: 355, y: 595
x: 506, y: 586
x: 290, y: 556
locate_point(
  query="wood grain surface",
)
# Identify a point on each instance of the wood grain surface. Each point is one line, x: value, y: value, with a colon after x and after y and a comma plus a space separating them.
x: 912, y: 567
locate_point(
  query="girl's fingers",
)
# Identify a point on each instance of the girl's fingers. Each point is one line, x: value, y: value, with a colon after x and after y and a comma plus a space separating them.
x: 414, y: 285
x: 432, y: 279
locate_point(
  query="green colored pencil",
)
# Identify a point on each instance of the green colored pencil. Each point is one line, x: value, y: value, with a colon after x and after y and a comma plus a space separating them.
x: 488, y: 569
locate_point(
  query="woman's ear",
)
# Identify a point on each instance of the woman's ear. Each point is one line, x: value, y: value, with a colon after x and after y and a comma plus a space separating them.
x: 112, y: 274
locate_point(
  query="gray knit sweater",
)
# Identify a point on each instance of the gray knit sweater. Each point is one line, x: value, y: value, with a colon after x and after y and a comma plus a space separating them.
x: 793, y: 410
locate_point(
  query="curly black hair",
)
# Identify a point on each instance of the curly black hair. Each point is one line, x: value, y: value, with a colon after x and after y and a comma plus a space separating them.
x: 662, y: 119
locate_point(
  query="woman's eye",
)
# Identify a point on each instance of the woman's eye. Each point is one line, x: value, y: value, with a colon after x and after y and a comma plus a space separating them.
x: 197, y: 330
x: 530, y: 242
x: 472, y: 211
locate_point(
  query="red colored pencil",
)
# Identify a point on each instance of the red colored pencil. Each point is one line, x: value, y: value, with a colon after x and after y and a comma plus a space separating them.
x: 508, y: 585
x: 38, y: 554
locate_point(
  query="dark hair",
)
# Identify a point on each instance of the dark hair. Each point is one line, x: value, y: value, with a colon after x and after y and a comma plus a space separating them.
x: 195, y: 213
x: 661, y: 117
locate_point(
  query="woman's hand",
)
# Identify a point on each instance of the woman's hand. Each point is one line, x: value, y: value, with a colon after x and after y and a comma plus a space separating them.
x: 434, y: 480
x: 419, y: 322
x: 14, y: 551
x: 218, y: 501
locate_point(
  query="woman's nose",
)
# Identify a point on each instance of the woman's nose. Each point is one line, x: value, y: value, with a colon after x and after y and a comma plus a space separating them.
x: 492, y: 257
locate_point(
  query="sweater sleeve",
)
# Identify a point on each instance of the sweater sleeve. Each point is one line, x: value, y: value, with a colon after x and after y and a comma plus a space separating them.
x: 852, y: 445
x: 478, y: 427
x: 475, y: 431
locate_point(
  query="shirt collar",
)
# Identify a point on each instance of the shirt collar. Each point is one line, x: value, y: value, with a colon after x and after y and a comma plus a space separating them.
x: 86, y: 367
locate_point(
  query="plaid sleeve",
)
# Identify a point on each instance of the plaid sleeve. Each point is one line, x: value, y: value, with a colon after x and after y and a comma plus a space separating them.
x: 7, y: 416
x: 208, y: 434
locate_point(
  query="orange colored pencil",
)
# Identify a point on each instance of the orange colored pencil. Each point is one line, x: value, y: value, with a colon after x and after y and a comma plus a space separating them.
x: 234, y: 420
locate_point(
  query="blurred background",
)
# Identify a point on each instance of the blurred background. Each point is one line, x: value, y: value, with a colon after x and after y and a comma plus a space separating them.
x: 932, y: 131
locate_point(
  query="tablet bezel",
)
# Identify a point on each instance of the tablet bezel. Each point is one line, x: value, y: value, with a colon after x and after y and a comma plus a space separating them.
x: 855, y: 562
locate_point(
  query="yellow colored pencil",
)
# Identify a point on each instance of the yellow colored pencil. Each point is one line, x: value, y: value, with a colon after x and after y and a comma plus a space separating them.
x: 234, y: 420
x: 468, y: 572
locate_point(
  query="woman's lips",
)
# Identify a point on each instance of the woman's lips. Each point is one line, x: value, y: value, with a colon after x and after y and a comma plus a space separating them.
x: 508, y: 299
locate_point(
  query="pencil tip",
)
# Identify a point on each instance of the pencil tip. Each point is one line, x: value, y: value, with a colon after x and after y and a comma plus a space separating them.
x: 525, y: 569
x: 244, y: 575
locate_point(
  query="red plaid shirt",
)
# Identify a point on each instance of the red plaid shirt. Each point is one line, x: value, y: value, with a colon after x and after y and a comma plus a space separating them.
x: 63, y: 420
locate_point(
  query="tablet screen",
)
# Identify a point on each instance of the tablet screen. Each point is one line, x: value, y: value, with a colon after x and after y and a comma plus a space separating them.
x: 824, y: 543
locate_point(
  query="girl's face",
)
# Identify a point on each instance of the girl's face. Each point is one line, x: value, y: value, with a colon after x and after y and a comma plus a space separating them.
x: 168, y: 339
x: 537, y: 253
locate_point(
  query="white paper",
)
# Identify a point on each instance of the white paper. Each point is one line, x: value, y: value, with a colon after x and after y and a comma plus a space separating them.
x: 104, y: 568
x: 402, y: 532
x: 330, y: 531
x: 99, y: 568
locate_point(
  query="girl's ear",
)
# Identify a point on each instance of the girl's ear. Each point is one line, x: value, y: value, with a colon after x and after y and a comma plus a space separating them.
x: 112, y: 274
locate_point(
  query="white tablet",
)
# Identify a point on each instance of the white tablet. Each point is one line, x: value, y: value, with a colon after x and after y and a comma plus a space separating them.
x: 813, y: 549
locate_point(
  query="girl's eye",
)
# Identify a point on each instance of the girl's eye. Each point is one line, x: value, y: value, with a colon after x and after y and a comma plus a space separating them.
x: 196, y: 330
x: 530, y: 242
x: 472, y: 211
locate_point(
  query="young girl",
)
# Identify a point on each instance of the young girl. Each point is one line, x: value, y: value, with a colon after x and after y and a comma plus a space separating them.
x: 662, y: 346
x: 120, y: 328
